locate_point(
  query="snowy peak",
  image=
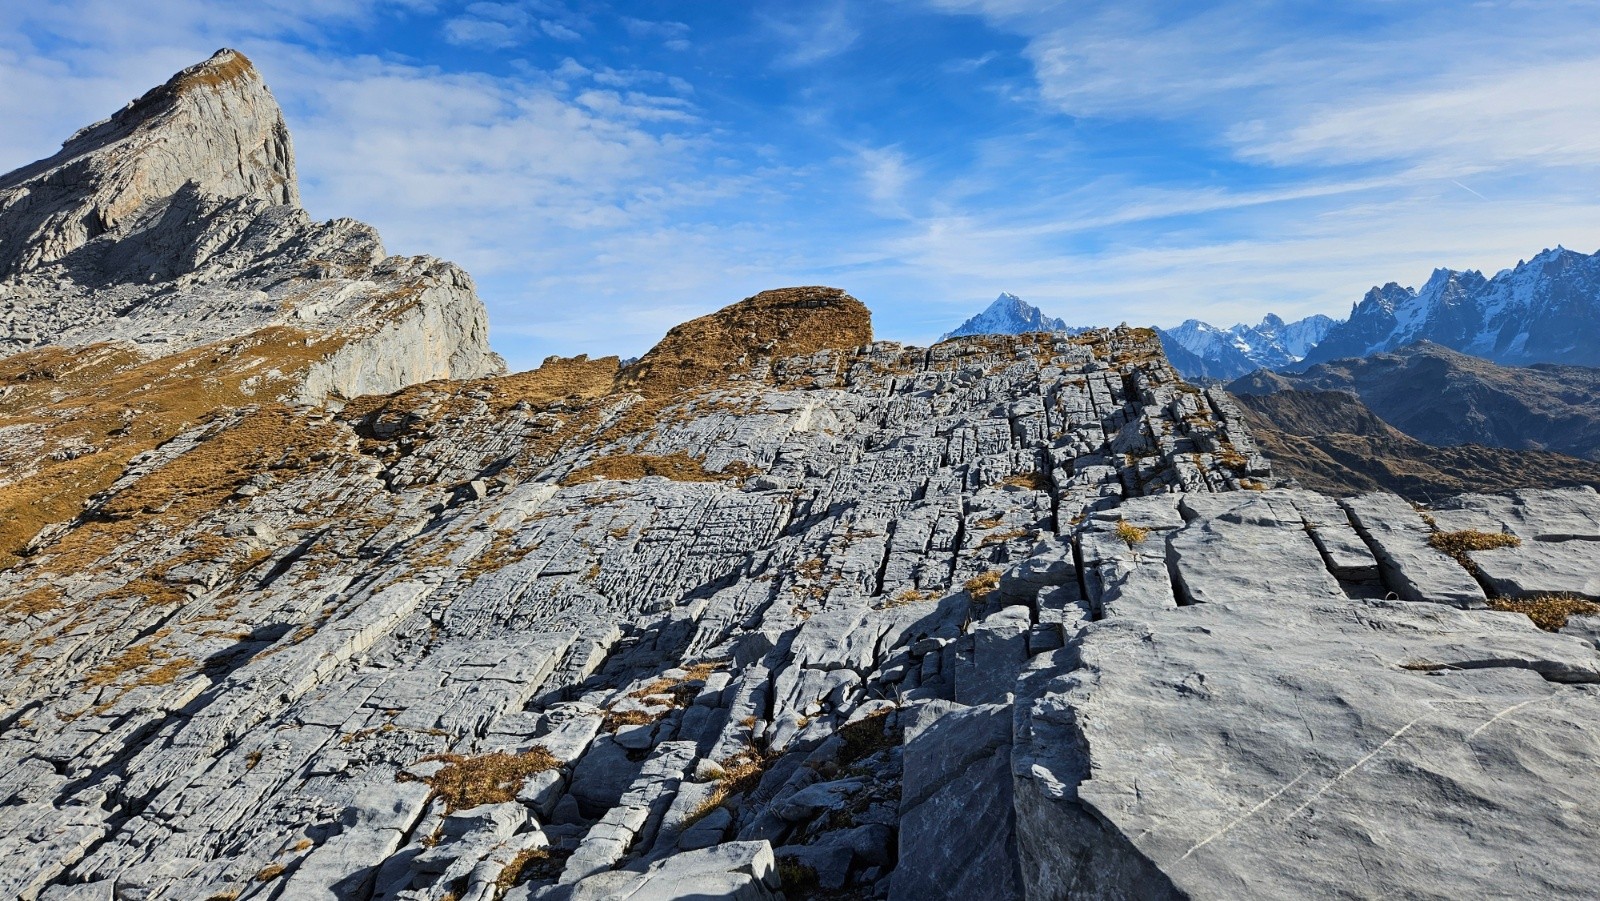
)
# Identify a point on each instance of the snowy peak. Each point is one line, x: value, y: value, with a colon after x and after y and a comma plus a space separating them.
x: 1546, y: 309
x: 1008, y: 315
x: 213, y: 130
x: 1224, y: 353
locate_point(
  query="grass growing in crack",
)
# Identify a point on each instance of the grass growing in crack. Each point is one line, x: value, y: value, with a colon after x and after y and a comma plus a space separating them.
x: 1548, y: 611
x: 530, y: 864
x: 1130, y: 534
x: 982, y: 586
x: 670, y: 693
x: 465, y: 782
x: 1458, y: 544
x: 1033, y: 481
x: 908, y: 596
x: 741, y: 773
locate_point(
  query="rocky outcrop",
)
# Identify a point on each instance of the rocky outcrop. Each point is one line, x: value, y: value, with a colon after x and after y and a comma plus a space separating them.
x: 176, y: 223
x: 266, y: 685
x: 213, y: 130
x: 158, y: 270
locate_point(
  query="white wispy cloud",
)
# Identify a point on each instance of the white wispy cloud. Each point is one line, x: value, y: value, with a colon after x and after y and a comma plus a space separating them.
x: 809, y: 35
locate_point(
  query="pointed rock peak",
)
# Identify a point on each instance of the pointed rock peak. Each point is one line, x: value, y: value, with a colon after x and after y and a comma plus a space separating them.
x: 783, y: 323
x: 1007, y: 315
x: 213, y: 129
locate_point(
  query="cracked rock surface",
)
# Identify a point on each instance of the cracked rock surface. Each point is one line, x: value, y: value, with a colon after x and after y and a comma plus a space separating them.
x: 781, y: 610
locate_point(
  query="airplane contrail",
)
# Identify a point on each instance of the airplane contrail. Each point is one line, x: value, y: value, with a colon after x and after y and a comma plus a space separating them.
x: 1469, y: 190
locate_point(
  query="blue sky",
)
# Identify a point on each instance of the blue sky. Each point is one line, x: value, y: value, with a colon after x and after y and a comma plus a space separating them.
x: 606, y: 170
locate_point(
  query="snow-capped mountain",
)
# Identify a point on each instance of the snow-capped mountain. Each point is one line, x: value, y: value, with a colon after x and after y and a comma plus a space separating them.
x: 1201, y: 350
x: 1008, y: 315
x: 1544, y: 310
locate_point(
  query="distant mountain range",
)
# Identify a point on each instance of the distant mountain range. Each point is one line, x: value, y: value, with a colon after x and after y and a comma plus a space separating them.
x: 1543, y: 310
x: 1210, y: 352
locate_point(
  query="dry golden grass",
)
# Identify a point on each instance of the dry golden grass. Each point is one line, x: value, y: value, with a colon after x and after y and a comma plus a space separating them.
x: 984, y: 585
x: 1460, y: 544
x: 1549, y: 612
x: 530, y: 864
x: 1230, y: 457
x: 741, y: 773
x: 216, y: 74
x: 1003, y: 537
x: 908, y: 596
x: 1131, y: 534
x: 668, y: 693
x: 1033, y: 481
x: 270, y: 872
x: 495, y: 778
x: 116, y: 403
x: 783, y: 323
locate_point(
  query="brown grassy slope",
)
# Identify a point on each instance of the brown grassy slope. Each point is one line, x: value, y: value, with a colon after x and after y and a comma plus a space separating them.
x: 1330, y: 442
x: 94, y: 408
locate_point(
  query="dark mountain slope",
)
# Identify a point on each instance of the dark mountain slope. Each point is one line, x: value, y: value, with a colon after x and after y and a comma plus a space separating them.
x: 1330, y: 442
x: 1442, y: 397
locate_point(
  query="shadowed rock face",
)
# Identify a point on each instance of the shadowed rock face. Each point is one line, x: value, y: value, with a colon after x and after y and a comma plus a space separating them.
x: 775, y: 608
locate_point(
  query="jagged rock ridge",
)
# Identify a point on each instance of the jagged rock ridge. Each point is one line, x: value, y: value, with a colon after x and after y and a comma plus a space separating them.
x: 1544, y: 310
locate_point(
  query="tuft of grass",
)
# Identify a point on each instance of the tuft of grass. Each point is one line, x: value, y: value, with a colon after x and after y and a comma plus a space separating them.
x: 270, y: 872
x: 796, y: 876
x: 984, y: 585
x: 1033, y: 481
x: 1459, y: 544
x: 530, y: 864
x: 1002, y: 537
x: 908, y: 596
x: 1131, y: 534
x: 741, y: 773
x: 1548, y: 611
x: 466, y: 782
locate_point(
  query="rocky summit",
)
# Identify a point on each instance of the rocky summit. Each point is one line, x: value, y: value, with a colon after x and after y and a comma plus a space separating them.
x: 777, y: 610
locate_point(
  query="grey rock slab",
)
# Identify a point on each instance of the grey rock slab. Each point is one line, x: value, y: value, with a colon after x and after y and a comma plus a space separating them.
x: 1410, y: 568
x: 735, y: 871
x: 1542, y: 567
x: 1000, y: 646
x: 1249, y: 554
x: 1228, y: 750
x: 1555, y: 514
